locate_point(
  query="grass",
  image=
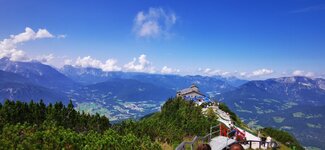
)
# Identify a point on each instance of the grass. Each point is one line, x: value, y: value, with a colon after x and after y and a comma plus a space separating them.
x: 166, y: 146
x: 284, y: 147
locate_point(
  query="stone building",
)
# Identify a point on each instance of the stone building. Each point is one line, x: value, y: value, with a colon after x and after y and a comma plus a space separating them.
x: 190, y: 92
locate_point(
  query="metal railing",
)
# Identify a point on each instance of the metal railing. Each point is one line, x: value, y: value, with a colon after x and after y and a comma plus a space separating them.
x: 196, y: 140
x: 261, y: 144
x: 207, y: 139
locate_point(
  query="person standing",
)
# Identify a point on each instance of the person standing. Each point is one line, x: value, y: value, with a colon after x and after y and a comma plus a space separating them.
x: 269, y: 141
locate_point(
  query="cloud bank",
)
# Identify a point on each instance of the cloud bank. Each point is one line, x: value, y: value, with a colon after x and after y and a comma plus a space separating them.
x: 167, y: 70
x: 261, y: 72
x: 8, y: 47
x: 108, y: 65
x: 303, y: 73
x: 140, y: 64
x: 254, y: 74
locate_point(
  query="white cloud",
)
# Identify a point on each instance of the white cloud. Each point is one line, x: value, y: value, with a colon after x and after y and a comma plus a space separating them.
x: 154, y: 23
x: 140, y: 65
x: 167, y: 70
x: 30, y: 34
x: 43, y: 33
x: 261, y: 72
x: 225, y: 73
x: 45, y: 58
x: 88, y: 62
x: 256, y: 73
x: 310, y: 74
x: 298, y: 73
x: 207, y: 70
x: 8, y: 47
x: 243, y: 74
x: 67, y: 62
x: 13, y: 54
x: 211, y: 72
x: 303, y: 73
x: 109, y: 65
x: 248, y: 75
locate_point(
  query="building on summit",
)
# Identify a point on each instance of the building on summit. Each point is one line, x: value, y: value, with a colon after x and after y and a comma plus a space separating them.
x: 193, y: 93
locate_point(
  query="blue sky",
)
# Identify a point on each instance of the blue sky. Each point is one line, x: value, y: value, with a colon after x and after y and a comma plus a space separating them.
x: 245, y: 38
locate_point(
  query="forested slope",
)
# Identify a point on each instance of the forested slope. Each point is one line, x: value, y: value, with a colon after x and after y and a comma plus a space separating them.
x: 55, y: 126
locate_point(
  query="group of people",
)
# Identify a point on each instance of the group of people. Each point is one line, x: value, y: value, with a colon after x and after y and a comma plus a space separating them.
x: 266, y: 140
x: 235, y: 146
x: 232, y: 132
x: 236, y: 134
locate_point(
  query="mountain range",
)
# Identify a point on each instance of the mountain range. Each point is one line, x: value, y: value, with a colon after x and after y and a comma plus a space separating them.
x: 118, y: 95
x: 38, y: 74
x: 15, y: 86
x: 89, y: 75
x: 295, y: 104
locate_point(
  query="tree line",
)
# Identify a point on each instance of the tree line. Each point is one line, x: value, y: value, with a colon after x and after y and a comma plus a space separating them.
x: 177, y: 119
x: 13, y: 112
x: 56, y: 126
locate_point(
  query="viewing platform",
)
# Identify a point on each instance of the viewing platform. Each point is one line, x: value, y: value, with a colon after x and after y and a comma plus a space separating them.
x: 223, y: 135
x: 219, y: 139
x: 220, y: 142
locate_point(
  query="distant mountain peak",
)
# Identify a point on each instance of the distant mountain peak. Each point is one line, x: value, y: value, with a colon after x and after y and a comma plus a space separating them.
x: 38, y: 73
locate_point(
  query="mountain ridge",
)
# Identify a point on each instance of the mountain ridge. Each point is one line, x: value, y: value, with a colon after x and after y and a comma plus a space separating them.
x: 289, y: 103
x: 38, y: 73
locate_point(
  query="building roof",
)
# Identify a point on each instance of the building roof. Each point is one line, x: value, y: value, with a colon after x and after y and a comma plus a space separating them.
x: 190, y: 90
